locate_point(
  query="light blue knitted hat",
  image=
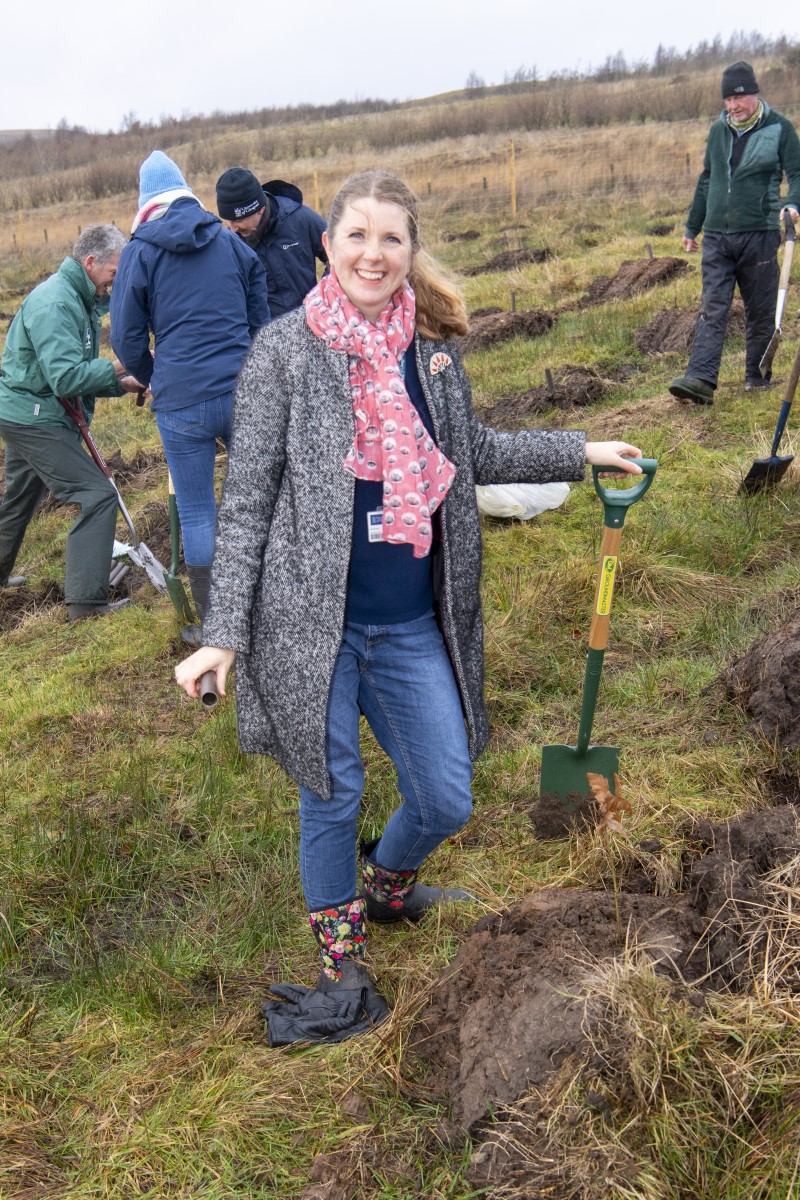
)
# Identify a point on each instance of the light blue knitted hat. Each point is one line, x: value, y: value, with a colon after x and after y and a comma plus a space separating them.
x: 157, y: 174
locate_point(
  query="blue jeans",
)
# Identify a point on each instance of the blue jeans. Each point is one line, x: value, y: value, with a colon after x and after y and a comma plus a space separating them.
x: 189, y: 437
x: 401, y: 679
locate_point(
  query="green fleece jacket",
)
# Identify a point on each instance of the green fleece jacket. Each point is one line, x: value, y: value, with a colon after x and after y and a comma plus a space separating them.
x: 52, y: 350
x: 749, y: 199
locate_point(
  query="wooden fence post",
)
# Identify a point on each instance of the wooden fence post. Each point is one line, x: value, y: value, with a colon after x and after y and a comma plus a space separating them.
x: 512, y: 172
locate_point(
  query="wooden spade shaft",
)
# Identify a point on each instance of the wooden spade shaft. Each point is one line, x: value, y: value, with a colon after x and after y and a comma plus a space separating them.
x: 598, y: 631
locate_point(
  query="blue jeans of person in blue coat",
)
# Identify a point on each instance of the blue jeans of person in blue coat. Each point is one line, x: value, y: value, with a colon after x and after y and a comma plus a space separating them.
x: 189, y: 437
x: 401, y: 679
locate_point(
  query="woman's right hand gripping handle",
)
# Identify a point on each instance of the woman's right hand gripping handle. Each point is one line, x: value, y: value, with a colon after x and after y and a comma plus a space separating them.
x: 208, y: 658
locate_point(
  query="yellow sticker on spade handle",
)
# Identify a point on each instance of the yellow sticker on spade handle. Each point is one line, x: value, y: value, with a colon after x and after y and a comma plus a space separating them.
x: 605, y: 591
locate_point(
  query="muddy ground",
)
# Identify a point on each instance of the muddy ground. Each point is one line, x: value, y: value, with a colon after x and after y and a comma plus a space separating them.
x: 672, y: 329
x: 766, y: 683
x: 508, y: 260
x: 466, y: 235
x: 572, y: 387
x: 634, y: 276
x: 489, y: 327
x: 519, y: 1001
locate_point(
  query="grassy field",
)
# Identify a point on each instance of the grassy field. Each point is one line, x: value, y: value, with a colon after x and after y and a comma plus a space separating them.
x: 149, y: 890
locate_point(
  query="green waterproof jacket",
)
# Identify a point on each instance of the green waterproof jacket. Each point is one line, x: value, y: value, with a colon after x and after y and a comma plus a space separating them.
x: 51, y: 350
x: 749, y: 199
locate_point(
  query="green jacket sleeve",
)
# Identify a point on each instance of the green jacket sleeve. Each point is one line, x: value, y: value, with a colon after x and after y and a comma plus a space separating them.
x: 58, y: 343
x: 697, y: 211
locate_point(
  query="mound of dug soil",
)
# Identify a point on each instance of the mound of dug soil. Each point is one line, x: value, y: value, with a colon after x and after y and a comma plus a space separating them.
x: 517, y: 1002
x: 766, y: 683
x: 673, y: 329
x: 468, y: 235
x: 507, y: 260
x: 634, y: 276
x: 495, y: 327
x: 573, y: 387
x: 17, y: 604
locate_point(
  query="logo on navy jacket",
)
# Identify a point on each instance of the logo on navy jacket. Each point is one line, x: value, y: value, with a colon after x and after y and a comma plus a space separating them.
x: 289, y: 245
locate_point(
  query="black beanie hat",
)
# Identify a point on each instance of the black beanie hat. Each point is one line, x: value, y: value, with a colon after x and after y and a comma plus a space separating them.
x: 239, y: 194
x: 739, y: 80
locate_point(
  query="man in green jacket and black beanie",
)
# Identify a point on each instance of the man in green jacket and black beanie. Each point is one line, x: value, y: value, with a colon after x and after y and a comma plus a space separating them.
x: 52, y: 350
x: 737, y: 205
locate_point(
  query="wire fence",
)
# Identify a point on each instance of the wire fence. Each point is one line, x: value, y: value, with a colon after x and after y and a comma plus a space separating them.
x: 652, y: 166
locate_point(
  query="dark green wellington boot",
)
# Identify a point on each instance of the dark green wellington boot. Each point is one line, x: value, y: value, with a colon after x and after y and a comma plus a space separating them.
x: 200, y: 583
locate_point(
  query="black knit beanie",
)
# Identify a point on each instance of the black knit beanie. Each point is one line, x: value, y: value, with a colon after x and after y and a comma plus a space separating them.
x: 239, y: 194
x: 739, y: 80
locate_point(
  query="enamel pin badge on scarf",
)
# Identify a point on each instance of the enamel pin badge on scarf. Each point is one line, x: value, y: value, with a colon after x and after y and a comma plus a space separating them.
x: 440, y: 362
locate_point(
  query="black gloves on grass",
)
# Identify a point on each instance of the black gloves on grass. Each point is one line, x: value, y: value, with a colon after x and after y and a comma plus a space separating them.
x: 310, y: 1015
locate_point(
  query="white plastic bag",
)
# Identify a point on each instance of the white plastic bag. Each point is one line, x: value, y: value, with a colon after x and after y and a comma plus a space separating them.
x: 522, y: 500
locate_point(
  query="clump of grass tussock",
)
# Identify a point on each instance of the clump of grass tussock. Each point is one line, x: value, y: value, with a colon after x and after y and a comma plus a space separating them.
x: 680, y: 1096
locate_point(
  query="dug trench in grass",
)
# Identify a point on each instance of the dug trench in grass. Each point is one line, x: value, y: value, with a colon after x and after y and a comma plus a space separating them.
x: 329, y: 613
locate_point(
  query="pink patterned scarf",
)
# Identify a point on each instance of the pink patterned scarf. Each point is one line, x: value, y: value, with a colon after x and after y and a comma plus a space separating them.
x: 391, y: 443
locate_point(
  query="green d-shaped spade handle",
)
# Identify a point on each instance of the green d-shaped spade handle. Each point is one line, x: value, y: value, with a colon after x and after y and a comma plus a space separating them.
x: 617, y: 500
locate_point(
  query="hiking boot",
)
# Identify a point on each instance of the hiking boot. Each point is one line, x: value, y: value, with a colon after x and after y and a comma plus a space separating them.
x: 14, y: 581
x: 696, y: 390
x: 757, y: 385
x: 80, y: 612
x: 395, y: 895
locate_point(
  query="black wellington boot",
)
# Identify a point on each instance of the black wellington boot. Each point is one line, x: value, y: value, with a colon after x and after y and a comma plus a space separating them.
x: 396, y: 895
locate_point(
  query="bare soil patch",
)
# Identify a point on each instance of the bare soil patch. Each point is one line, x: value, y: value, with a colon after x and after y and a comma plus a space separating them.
x: 573, y: 387
x: 138, y: 472
x: 17, y: 604
x: 766, y: 683
x: 494, y: 327
x: 634, y: 276
x: 508, y: 260
x: 466, y: 235
x: 672, y: 329
x: 517, y: 1002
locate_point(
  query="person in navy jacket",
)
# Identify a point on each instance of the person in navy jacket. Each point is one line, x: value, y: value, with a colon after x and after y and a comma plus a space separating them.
x: 202, y: 293
x: 285, y: 233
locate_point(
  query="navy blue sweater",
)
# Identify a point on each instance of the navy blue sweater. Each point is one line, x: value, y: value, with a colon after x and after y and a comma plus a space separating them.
x: 387, y: 585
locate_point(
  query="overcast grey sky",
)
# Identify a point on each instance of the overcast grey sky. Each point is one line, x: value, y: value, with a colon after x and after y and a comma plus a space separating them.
x: 93, y: 63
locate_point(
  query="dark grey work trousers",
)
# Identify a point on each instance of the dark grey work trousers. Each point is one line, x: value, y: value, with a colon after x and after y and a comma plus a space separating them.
x: 749, y: 260
x: 39, y: 457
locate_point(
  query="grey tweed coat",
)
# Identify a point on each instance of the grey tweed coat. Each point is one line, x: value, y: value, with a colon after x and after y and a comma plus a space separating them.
x: 279, y: 579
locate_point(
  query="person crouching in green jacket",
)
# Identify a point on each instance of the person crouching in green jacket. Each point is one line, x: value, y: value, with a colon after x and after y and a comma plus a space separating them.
x: 52, y: 350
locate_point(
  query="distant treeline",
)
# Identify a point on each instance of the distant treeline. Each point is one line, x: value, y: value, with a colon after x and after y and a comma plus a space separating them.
x: 73, y: 164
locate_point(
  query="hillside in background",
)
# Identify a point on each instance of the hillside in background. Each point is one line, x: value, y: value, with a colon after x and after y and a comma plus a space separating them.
x: 41, y: 168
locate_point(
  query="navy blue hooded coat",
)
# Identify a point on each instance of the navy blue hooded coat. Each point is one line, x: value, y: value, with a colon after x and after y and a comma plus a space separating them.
x: 201, y: 291
x: 289, y: 244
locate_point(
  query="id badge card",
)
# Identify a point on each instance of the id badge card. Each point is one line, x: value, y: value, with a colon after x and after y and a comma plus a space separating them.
x: 375, y: 525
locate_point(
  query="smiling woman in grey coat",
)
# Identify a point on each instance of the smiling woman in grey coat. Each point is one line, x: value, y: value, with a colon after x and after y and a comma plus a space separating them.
x: 346, y: 576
